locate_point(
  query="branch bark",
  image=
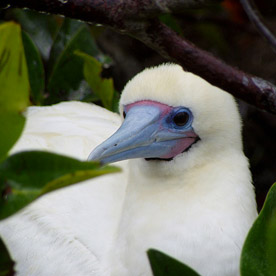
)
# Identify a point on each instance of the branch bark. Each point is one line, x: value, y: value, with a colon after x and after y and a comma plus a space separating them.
x: 138, y: 19
x: 113, y: 13
x: 251, y: 89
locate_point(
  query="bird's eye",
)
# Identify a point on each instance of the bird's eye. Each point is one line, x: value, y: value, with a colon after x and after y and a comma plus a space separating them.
x: 181, y: 118
x: 124, y: 114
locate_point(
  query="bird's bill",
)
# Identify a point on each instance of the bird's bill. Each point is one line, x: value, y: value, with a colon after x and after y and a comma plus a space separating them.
x: 142, y: 136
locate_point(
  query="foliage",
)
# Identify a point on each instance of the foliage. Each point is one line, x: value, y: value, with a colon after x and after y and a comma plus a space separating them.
x: 14, y: 86
x: 27, y: 175
x: 103, y: 88
x: 55, y: 71
x: 23, y: 178
x: 35, y: 69
x: 6, y: 264
x: 66, y: 68
x: 164, y: 265
x: 259, y: 250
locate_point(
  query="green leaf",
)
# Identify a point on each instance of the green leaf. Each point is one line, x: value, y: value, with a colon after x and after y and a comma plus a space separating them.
x: 67, y: 74
x: 102, y: 87
x: 28, y: 175
x: 164, y: 265
x: 14, y: 92
x: 66, y: 32
x: 271, y: 234
x: 6, y: 263
x: 12, y: 124
x: 115, y: 101
x: 259, y: 250
x: 35, y: 70
x: 40, y: 27
x: 13, y: 69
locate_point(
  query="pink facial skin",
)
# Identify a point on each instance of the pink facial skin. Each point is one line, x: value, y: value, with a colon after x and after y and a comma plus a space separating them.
x: 165, y: 109
x: 178, y: 145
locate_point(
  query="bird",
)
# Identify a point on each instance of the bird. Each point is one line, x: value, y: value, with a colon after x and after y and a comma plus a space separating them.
x: 185, y: 187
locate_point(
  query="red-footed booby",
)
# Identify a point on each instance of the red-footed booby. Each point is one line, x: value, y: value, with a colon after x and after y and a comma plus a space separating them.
x: 186, y: 189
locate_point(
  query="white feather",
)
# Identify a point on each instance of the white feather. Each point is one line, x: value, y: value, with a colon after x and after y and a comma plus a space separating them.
x: 198, y: 207
x: 67, y: 232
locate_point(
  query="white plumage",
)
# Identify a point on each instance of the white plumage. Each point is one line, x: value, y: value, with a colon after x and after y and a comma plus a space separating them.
x: 198, y: 207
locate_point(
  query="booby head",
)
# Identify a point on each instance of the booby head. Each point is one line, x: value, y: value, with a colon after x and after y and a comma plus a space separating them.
x: 172, y: 116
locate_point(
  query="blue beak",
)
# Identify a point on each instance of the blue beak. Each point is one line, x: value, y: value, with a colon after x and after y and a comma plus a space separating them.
x: 143, y: 134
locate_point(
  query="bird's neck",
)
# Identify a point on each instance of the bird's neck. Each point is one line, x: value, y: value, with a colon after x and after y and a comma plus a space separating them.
x: 223, y: 176
x: 150, y: 181
x: 191, y: 208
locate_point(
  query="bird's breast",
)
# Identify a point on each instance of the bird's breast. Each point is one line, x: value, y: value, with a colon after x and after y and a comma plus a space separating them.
x: 194, y: 235
x: 200, y: 223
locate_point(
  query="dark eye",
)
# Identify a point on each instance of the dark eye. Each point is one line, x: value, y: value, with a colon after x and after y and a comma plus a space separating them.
x: 181, y: 118
x: 124, y: 114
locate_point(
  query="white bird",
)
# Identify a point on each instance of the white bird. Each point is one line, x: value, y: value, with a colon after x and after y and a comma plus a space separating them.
x: 186, y: 191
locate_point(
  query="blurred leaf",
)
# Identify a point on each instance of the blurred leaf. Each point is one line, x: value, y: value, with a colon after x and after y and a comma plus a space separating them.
x: 41, y: 28
x: 171, y: 22
x: 28, y: 175
x: 67, y: 72
x: 212, y: 34
x: 14, y: 96
x: 164, y: 265
x: 35, y: 69
x: 115, y: 101
x: 65, y: 33
x: 259, y: 250
x: 102, y: 87
x: 6, y: 263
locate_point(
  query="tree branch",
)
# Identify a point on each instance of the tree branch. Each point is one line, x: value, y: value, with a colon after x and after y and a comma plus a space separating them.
x: 113, y: 13
x: 251, y: 89
x: 137, y: 18
x: 255, y: 18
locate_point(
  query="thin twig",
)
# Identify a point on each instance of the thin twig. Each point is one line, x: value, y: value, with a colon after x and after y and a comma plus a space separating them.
x: 255, y: 18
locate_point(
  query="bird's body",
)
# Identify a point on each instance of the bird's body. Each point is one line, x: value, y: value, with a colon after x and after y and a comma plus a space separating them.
x: 191, y: 198
x: 60, y: 233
